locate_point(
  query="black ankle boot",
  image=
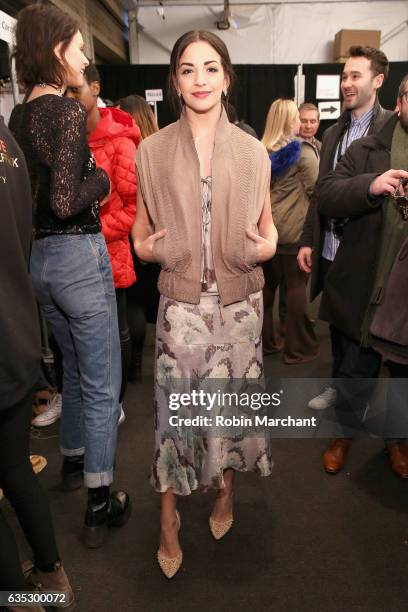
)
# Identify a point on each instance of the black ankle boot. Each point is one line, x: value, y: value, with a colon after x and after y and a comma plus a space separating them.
x: 72, y: 473
x: 104, y: 510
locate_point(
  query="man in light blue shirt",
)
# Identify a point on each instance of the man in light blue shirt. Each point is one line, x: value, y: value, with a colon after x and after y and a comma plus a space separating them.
x: 358, y: 128
x: 362, y: 77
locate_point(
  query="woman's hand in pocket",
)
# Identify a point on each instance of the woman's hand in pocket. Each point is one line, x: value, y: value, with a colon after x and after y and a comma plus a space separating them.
x: 145, y: 250
x: 264, y: 248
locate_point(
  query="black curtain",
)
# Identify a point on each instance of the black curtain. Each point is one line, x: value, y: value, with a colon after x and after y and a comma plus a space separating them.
x: 4, y: 60
x: 255, y: 88
x: 12, y: 7
x: 125, y: 80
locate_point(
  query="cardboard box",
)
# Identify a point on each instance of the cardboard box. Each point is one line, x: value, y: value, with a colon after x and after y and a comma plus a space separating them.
x: 344, y: 39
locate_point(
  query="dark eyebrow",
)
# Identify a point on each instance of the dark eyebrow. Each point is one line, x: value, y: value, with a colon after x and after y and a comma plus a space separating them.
x: 205, y: 63
x: 352, y: 72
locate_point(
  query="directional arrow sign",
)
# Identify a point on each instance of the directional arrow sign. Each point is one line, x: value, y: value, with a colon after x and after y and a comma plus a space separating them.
x: 329, y: 110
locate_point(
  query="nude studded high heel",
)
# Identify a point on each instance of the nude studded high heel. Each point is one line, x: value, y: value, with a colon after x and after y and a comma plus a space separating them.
x: 219, y: 530
x: 170, y: 567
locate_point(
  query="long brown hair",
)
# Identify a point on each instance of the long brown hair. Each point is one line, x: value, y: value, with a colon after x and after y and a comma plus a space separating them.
x: 40, y: 28
x: 141, y: 112
x: 180, y: 46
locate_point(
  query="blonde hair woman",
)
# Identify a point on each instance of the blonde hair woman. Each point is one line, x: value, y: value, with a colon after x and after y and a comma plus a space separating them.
x: 282, y: 123
x: 294, y: 172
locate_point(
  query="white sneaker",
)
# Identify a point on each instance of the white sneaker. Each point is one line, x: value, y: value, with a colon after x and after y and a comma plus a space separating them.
x: 122, y: 415
x: 52, y: 414
x: 324, y: 400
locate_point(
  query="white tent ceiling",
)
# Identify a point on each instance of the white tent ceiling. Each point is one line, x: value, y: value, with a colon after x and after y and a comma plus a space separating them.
x: 293, y: 31
x: 169, y: 3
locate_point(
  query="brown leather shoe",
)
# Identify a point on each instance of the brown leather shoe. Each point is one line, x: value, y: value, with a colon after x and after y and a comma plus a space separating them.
x: 55, y: 581
x: 398, y: 454
x: 335, y: 456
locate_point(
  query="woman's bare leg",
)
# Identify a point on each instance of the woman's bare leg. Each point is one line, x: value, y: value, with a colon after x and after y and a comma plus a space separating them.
x: 169, y: 542
x: 222, y: 510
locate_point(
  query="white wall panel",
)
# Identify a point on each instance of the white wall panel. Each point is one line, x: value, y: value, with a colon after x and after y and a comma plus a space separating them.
x: 288, y: 33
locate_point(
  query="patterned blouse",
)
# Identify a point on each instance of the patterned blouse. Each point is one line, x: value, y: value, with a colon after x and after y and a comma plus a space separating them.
x: 208, y: 281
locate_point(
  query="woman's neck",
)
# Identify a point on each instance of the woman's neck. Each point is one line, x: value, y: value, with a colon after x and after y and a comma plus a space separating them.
x: 45, y: 89
x: 202, y: 124
x: 94, y: 117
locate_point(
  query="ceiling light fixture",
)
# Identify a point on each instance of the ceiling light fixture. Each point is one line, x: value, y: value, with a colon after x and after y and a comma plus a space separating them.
x: 160, y: 10
x: 225, y: 22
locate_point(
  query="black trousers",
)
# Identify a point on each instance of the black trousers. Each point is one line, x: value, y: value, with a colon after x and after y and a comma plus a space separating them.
x: 136, y: 314
x: 355, y: 370
x: 350, y: 360
x: 396, y: 421
x: 23, y: 490
x: 124, y: 337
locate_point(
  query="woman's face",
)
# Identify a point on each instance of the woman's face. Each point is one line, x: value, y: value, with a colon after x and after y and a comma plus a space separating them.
x: 200, y: 77
x: 74, y: 61
x: 296, y: 125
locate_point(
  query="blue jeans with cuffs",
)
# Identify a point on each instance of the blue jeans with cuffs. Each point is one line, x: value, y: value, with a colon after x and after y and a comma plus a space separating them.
x: 72, y: 278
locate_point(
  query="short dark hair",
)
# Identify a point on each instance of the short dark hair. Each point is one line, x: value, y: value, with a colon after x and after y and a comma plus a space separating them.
x: 92, y: 74
x: 181, y: 45
x: 378, y: 59
x: 40, y: 28
x: 402, y: 87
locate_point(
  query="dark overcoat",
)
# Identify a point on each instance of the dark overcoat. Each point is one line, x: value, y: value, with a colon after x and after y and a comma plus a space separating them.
x: 343, y: 193
x: 315, y: 222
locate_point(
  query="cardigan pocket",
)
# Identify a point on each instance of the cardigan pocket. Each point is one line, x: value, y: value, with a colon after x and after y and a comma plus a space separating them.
x: 168, y: 259
x: 241, y: 252
x: 182, y: 262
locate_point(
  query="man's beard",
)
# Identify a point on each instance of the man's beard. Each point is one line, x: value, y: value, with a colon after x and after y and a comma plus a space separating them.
x: 403, y: 117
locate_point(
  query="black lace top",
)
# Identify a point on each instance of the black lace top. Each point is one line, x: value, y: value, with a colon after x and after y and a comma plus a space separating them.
x: 65, y: 183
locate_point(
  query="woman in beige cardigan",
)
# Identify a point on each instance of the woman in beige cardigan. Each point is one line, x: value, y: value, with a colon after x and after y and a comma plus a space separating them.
x: 204, y: 214
x: 295, y: 167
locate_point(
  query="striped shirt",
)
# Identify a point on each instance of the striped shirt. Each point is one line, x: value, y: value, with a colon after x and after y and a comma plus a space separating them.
x: 357, y: 129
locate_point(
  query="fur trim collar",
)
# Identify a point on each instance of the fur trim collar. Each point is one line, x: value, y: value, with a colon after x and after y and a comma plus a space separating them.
x: 284, y: 158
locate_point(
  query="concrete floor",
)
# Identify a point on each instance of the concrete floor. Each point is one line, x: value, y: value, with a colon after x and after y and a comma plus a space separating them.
x: 302, y: 540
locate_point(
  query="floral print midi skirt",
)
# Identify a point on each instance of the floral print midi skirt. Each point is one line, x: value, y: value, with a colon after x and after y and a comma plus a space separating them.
x: 197, y: 342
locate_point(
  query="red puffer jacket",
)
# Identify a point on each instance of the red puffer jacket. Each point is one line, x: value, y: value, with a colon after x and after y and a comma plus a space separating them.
x: 113, y: 143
